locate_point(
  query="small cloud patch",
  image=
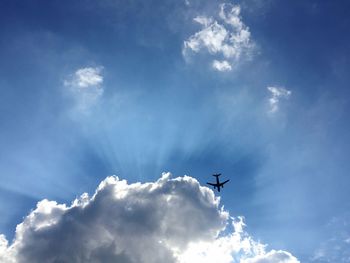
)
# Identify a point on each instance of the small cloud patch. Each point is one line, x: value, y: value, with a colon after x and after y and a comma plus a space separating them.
x: 86, y: 86
x: 222, y: 65
x: 226, y: 38
x: 277, y: 93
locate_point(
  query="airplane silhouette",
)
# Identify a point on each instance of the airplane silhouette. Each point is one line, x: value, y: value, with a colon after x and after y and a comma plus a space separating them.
x: 218, y: 184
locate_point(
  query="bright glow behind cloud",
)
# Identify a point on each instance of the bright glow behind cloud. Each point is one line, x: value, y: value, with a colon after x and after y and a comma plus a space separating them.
x: 170, y: 220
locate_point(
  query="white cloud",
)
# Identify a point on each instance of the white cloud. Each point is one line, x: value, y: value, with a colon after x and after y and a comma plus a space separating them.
x: 86, y: 86
x: 277, y: 93
x: 205, y: 21
x: 224, y: 249
x: 170, y: 220
x: 88, y: 77
x: 226, y: 37
x: 222, y: 65
x: 5, y: 253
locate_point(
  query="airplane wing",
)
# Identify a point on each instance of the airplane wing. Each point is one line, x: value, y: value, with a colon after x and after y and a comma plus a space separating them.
x: 212, y: 184
x: 221, y: 184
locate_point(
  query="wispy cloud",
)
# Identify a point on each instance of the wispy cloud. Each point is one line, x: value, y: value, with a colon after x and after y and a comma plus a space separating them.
x: 86, y: 86
x: 226, y: 38
x: 170, y: 220
x: 335, y: 247
x: 277, y: 93
x: 273, y: 256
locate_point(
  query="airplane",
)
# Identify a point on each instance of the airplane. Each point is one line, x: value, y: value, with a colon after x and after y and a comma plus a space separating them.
x: 218, y: 184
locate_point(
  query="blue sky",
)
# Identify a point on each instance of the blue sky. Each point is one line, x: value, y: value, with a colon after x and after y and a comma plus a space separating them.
x: 270, y: 113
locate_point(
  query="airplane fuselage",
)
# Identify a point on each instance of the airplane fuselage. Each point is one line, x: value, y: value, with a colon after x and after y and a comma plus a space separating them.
x: 218, y: 185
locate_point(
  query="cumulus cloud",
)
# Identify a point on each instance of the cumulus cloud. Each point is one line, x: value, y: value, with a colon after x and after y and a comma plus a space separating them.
x: 226, y: 37
x: 5, y: 252
x: 277, y: 93
x: 170, y: 220
x: 86, y: 86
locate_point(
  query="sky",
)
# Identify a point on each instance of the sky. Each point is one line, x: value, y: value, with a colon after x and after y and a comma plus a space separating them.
x: 255, y: 90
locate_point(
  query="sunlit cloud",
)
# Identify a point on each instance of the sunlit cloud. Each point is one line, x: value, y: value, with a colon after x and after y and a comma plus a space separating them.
x: 5, y: 252
x: 226, y: 38
x: 277, y: 93
x: 171, y: 220
x: 86, y: 86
